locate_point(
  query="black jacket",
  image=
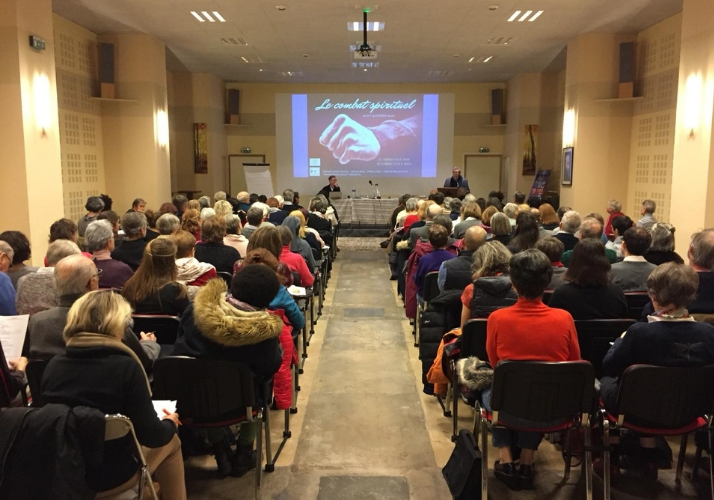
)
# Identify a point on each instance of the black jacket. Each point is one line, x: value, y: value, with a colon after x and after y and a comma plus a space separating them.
x: 50, y: 452
x: 322, y: 226
x: 458, y: 271
x: 130, y: 252
x: 111, y: 381
x: 443, y: 314
x: 490, y: 294
x: 568, y: 240
x: 591, y: 302
x: 221, y: 256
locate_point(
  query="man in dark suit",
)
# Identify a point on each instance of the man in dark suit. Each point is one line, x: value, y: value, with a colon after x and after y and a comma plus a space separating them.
x: 457, y: 181
x: 332, y: 186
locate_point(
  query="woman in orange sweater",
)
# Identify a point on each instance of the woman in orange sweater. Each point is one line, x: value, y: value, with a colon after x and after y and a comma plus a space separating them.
x: 528, y: 330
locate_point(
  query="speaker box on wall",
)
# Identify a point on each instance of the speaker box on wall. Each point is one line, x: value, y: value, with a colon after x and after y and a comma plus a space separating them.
x: 233, y: 106
x: 498, y: 109
x: 627, y: 70
x: 106, y: 71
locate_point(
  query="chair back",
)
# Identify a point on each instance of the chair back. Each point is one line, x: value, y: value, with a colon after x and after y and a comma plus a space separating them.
x: 473, y: 339
x: 116, y: 427
x: 666, y: 396
x: 227, y: 277
x: 636, y: 302
x: 431, y: 286
x: 164, y: 326
x: 35, y: 369
x: 542, y: 391
x: 204, y: 388
x: 546, y: 296
x: 594, y: 337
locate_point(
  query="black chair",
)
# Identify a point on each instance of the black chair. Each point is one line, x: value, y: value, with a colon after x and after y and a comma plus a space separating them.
x: 662, y: 401
x: 473, y: 343
x: 227, y: 277
x: 431, y: 291
x: 595, y: 337
x: 541, y: 391
x: 212, y: 393
x: 35, y: 369
x: 164, y: 326
x: 636, y: 302
x: 546, y: 296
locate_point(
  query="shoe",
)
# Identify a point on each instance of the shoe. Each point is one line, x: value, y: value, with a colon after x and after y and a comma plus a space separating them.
x: 224, y: 459
x: 526, y: 473
x: 244, y: 461
x: 507, y: 474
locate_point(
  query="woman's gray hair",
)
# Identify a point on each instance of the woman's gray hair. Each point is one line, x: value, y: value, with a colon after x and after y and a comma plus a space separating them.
x: 662, y: 237
x: 204, y: 201
x: 323, y: 199
x: 500, y: 225
x: 615, y: 205
x: 232, y: 224
x: 511, y: 210
x: 98, y: 234
x: 59, y: 249
x: 133, y: 222
x: 411, y: 204
x: 207, y: 212
x: 168, y: 224
x: 94, y: 204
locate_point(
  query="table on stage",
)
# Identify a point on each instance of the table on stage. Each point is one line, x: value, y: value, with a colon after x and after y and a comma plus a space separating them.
x: 365, y: 211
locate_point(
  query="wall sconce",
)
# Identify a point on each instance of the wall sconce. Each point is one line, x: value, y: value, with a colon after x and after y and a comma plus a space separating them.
x: 569, y: 127
x: 692, y: 102
x: 43, y: 102
x: 162, y: 128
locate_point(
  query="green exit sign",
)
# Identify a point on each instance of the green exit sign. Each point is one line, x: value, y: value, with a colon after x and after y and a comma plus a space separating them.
x: 37, y: 43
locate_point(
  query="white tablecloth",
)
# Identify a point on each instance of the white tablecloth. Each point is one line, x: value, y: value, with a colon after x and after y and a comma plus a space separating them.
x: 365, y: 211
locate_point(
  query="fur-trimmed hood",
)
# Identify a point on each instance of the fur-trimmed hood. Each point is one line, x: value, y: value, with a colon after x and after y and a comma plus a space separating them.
x: 475, y: 374
x: 224, y: 324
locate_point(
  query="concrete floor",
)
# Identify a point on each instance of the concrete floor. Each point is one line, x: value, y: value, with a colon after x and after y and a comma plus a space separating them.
x: 365, y: 431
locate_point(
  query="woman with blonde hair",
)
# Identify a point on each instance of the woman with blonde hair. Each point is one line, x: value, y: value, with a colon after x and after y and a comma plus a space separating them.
x: 299, y: 245
x: 223, y: 208
x: 308, y: 234
x: 154, y: 288
x: 491, y: 288
x: 191, y: 222
x: 193, y: 205
x: 486, y: 217
x: 97, y: 370
x: 501, y: 228
x: 470, y: 216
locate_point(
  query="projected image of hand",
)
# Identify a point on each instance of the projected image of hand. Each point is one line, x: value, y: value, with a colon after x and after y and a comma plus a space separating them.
x: 349, y: 140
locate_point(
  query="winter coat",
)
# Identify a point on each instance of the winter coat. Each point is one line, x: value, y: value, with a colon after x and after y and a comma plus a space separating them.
x: 440, y: 374
x: 283, y: 380
x: 442, y: 315
x: 492, y: 293
x: 49, y: 452
x: 422, y: 248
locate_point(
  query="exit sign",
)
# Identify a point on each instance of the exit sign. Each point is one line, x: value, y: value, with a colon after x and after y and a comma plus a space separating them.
x: 37, y: 43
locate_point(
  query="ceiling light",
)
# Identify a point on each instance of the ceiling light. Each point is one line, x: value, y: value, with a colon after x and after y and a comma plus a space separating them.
x: 261, y: 70
x: 525, y: 16
x: 499, y: 40
x: 514, y: 16
x: 488, y: 59
x: 472, y: 59
x: 198, y: 16
x: 244, y: 59
x: 219, y: 17
x: 371, y: 26
x: 365, y: 69
x: 535, y: 16
x: 208, y: 16
x: 439, y: 73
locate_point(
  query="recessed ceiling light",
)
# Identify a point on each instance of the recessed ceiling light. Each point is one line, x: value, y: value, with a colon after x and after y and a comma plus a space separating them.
x: 219, y: 17
x: 365, y: 69
x: 488, y: 59
x: 472, y: 59
x: 208, y: 16
x: 198, y: 16
x: 535, y: 16
x: 482, y: 59
x: 439, y: 73
x: 514, y: 16
x: 244, y: 59
x: 261, y: 69
x: 371, y: 26
x: 499, y: 40
x: 525, y: 16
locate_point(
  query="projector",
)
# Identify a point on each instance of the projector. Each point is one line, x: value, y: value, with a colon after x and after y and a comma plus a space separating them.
x: 365, y: 53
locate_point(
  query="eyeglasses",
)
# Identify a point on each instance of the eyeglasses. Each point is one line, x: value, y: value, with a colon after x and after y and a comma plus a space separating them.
x: 99, y: 272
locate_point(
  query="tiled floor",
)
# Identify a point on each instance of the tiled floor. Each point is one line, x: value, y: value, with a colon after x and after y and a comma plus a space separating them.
x: 364, y: 430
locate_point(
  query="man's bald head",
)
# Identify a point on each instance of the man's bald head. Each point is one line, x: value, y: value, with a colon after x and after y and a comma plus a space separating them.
x: 432, y: 211
x: 75, y: 275
x: 475, y: 237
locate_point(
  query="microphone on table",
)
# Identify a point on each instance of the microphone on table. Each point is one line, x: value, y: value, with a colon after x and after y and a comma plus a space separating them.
x: 370, y: 183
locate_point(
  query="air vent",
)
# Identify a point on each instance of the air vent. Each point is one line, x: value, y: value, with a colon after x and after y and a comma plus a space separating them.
x: 234, y: 41
x: 500, y: 40
x: 439, y: 73
x: 365, y: 65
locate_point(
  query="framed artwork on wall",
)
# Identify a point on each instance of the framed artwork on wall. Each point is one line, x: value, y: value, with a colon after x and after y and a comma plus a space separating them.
x: 566, y: 173
x: 530, y: 144
x: 200, y: 148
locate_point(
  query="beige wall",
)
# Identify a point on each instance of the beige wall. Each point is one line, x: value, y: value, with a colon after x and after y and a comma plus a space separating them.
x: 30, y: 157
x: 82, y: 145
x: 472, y: 105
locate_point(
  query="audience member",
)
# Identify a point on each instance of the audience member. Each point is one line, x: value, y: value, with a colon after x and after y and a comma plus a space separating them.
x: 115, y: 221
x: 569, y: 225
x: 21, y: 252
x: 701, y: 258
x: 455, y: 209
x: 243, y: 198
x: 268, y: 238
x: 481, y: 202
x: 491, y: 286
x: 131, y: 249
x: 470, y: 216
x: 486, y: 217
x: 234, y: 237
x: 36, y: 291
x: 399, y: 213
x: 548, y: 218
x: 100, y: 242
x: 167, y: 208
x: 662, y: 247
x: 511, y: 211
x: 298, y: 244
x: 647, y: 213
x: 277, y: 216
x: 12, y: 374
x: 64, y: 229
x: 620, y: 224
x: 235, y: 328
x: 631, y: 274
x: 293, y: 260
x: 590, y: 229
x: 552, y: 247
x: 97, y: 370
x: 7, y: 291
x: 190, y: 271
x: 588, y: 293
x: 212, y: 250
x: 614, y: 208
x: 138, y: 205
x: 519, y: 198
x: 670, y: 338
x: 318, y: 222
x: 222, y: 208
x: 431, y: 262
x: 528, y: 330
x: 107, y: 202
x: 193, y: 205
x: 410, y: 214
x: 526, y: 234
x: 501, y: 228
x: 191, y: 222
x: 255, y: 218
x: 168, y: 224
x: 75, y: 276
x: 207, y: 212
x: 151, y: 232
x: 93, y: 206
x: 204, y: 202
x: 289, y: 203
x: 330, y: 212
x: 219, y: 196
x: 153, y: 289
x: 456, y: 274
x: 179, y: 201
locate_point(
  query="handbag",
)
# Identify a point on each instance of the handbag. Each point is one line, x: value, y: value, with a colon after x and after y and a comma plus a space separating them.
x: 463, y: 470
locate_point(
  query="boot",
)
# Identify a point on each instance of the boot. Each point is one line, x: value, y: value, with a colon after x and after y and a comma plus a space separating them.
x: 244, y: 460
x: 224, y: 458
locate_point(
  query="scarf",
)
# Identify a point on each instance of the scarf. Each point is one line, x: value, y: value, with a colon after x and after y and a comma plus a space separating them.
x: 670, y: 315
x: 86, y: 339
x: 190, y: 269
